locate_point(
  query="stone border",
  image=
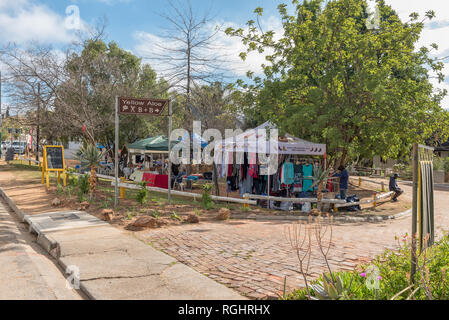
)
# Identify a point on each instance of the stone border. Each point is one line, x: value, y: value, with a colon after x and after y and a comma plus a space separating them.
x: 347, y: 219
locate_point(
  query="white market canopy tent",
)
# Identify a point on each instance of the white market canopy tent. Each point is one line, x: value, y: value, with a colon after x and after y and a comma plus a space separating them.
x: 253, y: 141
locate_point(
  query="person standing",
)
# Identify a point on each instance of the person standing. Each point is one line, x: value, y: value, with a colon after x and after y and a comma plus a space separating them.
x: 394, y: 187
x: 344, y: 181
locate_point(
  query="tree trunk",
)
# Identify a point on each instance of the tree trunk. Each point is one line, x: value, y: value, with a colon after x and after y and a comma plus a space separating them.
x: 320, y: 196
x: 342, y: 161
x: 93, y: 181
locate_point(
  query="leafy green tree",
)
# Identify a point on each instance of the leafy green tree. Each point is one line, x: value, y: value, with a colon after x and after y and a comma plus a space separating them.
x: 95, y: 76
x: 214, y: 106
x: 331, y: 79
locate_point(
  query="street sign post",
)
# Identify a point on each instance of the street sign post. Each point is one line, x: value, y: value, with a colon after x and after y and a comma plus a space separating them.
x: 140, y: 107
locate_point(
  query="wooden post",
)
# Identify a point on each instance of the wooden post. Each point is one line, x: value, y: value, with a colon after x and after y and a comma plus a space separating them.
x: 383, y: 186
x: 375, y: 199
x: 360, y: 182
x: 414, y: 258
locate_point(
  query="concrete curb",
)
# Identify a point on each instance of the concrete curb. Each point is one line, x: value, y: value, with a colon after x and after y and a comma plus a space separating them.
x: 45, y: 241
x: 325, y: 219
x: 12, y: 205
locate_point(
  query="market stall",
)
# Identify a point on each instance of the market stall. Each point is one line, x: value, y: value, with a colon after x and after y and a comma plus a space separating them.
x: 288, y: 172
x: 147, y: 159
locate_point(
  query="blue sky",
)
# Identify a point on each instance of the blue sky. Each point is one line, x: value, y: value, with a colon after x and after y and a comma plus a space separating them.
x: 133, y: 24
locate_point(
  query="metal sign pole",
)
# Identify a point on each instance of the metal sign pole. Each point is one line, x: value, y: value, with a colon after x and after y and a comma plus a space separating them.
x: 116, y: 152
x: 169, y: 151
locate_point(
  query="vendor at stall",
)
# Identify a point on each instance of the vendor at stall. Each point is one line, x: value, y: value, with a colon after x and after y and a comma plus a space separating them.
x: 344, y: 181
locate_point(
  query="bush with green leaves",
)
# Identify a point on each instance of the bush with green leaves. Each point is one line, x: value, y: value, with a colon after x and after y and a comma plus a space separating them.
x: 431, y: 280
x: 82, y: 197
x: 206, y: 199
x: 175, y: 216
x: 69, y: 190
x: 446, y: 165
x: 83, y: 184
x: 59, y: 190
x: 72, y: 180
x: 142, y: 194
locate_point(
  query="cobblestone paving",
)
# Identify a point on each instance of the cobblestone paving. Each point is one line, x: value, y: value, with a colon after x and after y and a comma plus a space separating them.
x: 255, y: 257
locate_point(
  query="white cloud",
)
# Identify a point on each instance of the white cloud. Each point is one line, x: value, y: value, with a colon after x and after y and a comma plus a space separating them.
x: 435, y: 31
x: 405, y: 8
x: 24, y: 20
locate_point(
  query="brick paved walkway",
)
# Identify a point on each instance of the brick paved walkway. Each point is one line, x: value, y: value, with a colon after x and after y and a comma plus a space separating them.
x: 254, y: 257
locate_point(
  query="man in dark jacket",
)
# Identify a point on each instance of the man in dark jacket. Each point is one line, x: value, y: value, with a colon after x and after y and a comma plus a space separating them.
x: 344, y: 181
x: 395, y: 188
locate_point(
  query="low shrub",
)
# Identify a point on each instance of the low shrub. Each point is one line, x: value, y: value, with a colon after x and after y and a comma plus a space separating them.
x: 83, y: 184
x: 142, y: 194
x: 388, y: 277
x: 206, y: 199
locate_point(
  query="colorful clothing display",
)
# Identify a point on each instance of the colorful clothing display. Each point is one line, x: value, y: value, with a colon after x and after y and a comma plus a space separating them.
x: 307, y: 172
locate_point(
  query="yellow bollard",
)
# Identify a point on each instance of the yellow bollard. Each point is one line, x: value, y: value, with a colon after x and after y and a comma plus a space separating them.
x: 122, y: 190
x: 383, y: 187
x: 375, y: 199
x: 360, y: 182
x: 246, y: 205
x: 335, y: 209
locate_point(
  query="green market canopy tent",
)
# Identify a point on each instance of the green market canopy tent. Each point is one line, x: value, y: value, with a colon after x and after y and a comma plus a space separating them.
x: 151, y: 145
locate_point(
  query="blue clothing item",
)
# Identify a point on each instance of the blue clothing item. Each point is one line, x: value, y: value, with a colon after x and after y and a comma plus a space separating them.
x: 344, y: 179
x: 288, y: 174
x: 307, y: 172
x: 343, y: 194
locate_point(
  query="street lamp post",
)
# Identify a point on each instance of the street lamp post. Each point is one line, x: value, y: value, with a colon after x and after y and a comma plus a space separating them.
x: 38, y: 120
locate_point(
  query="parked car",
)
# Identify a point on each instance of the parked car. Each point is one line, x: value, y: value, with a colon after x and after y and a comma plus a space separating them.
x: 19, y: 147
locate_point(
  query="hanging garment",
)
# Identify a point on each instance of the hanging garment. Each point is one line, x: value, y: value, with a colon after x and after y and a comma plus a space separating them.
x: 253, y: 168
x: 246, y: 185
x: 330, y: 184
x: 288, y: 174
x: 307, y: 172
x: 244, y: 168
x: 297, y: 169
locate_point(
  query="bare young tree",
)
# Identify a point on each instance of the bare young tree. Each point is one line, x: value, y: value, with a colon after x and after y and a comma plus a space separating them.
x: 187, y: 54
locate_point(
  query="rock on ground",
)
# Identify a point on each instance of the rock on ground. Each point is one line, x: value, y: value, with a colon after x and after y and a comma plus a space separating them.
x: 193, y: 218
x: 224, y: 214
x: 145, y: 222
x: 56, y: 202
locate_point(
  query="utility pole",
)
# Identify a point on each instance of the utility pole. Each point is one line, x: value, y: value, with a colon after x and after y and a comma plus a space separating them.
x: 38, y: 120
